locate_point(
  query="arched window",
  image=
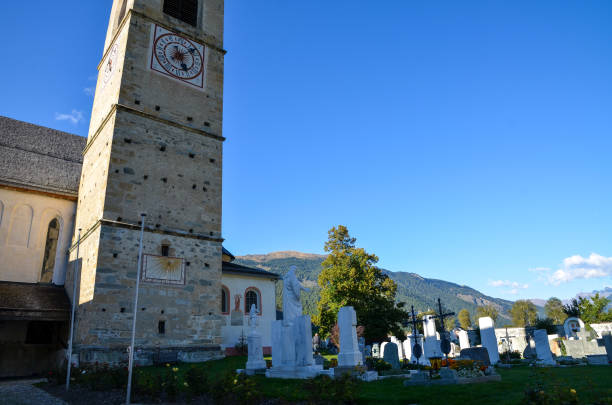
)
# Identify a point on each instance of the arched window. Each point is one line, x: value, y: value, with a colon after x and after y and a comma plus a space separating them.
x: 46, y: 275
x: 252, y: 296
x: 225, y: 304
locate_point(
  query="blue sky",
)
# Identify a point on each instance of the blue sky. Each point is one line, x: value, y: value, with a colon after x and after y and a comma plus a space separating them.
x: 468, y: 141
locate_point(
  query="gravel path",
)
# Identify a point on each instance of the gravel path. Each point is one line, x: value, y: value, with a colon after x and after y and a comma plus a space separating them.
x: 22, y: 392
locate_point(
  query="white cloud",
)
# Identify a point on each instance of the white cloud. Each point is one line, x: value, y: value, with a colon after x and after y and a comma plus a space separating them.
x: 578, y: 267
x: 539, y: 269
x: 90, y: 91
x: 75, y: 117
x: 507, y: 283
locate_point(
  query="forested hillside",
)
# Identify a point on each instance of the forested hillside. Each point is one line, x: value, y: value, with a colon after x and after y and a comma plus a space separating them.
x: 412, y: 288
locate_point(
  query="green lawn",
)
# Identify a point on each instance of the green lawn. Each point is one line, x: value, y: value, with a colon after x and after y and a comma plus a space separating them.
x: 592, y: 384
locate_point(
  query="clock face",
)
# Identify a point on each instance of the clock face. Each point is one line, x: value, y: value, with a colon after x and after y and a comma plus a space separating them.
x: 178, y: 57
x: 110, y: 65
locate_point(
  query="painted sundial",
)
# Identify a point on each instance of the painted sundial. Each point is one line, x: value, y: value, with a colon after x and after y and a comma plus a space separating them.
x: 163, y: 269
x: 178, y: 57
x: 110, y: 65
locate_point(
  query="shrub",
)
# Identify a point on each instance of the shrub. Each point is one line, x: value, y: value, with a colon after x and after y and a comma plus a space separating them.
x: 377, y: 364
x: 242, y: 346
x: 196, y: 381
x: 147, y: 385
x: 171, y: 383
x: 338, y: 391
x: 235, y: 388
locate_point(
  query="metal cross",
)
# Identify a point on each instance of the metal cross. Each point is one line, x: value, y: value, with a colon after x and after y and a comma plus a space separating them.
x: 508, y: 345
x: 416, y: 349
x: 444, y: 342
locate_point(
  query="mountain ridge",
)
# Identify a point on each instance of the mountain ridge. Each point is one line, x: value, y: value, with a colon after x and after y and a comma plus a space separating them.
x: 413, y: 289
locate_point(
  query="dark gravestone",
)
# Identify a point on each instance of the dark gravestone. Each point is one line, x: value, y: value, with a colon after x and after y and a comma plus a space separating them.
x: 607, y: 340
x: 479, y: 354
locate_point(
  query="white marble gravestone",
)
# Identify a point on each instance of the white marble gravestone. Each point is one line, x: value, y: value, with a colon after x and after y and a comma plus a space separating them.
x: 400, y: 347
x: 488, y: 339
x: 255, y: 360
x: 542, y: 347
x: 349, y: 355
x: 432, y: 342
x: 464, y: 339
x: 407, y: 348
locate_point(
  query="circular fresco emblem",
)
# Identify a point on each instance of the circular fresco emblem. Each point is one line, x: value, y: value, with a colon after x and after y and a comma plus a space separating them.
x: 178, y: 56
x: 109, y: 66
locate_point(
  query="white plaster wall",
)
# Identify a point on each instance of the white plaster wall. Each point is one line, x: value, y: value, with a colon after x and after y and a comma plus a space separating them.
x: 24, y: 220
x: 237, y: 284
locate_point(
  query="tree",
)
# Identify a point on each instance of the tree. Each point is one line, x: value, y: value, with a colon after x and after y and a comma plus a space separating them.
x: 464, y: 319
x: 349, y: 277
x: 572, y: 309
x: 450, y: 323
x: 593, y: 310
x: 487, y: 310
x: 554, y: 310
x: 523, y: 313
x: 548, y: 324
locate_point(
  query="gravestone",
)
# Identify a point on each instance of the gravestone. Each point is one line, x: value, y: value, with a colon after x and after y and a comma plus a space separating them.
x: 542, y: 347
x: 376, y: 350
x: 488, y: 338
x: 479, y: 354
x: 349, y: 355
x: 362, y: 347
x: 390, y: 355
x: 432, y: 344
x: 572, y: 326
x: 382, y: 349
x: 255, y: 354
x: 400, y: 348
x: 407, y: 349
x: 464, y: 340
x: 607, y: 340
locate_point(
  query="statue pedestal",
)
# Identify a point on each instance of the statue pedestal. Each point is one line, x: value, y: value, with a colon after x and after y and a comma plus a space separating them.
x: 255, y: 360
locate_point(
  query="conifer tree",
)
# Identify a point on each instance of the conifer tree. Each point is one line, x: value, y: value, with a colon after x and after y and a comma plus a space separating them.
x: 349, y: 277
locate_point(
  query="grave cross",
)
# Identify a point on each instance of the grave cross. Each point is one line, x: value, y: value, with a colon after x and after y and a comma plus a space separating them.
x: 416, y: 349
x: 508, y: 345
x: 444, y: 342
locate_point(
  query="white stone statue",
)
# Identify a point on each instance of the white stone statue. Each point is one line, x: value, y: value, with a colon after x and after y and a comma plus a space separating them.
x: 292, y: 306
x: 253, y: 318
x: 292, y: 337
x: 255, y: 360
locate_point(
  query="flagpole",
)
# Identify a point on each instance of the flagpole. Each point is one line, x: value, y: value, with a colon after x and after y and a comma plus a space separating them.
x: 74, y: 300
x: 131, y: 348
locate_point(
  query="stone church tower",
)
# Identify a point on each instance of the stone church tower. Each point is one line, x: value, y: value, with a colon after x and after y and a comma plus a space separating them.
x: 154, y: 147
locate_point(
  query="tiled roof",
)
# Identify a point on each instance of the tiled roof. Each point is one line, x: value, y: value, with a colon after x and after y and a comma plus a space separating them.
x: 233, y: 268
x: 44, y: 302
x: 40, y: 158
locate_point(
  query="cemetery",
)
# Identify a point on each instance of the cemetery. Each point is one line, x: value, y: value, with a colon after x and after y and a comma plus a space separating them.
x: 421, y: 368
x: 116, y: 286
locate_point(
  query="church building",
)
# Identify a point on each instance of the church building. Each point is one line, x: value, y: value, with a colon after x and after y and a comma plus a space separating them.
x: 70, y: 207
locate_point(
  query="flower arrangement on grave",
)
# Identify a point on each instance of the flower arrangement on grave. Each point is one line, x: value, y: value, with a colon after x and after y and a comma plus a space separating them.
x: 436, y: 362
